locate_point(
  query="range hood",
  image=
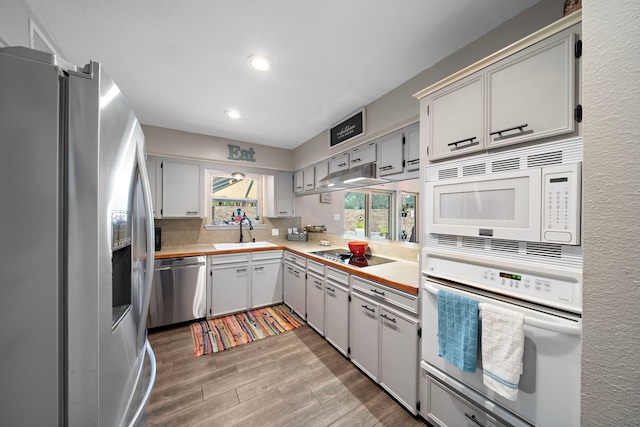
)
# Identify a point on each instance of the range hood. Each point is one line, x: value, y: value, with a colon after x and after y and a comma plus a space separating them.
x: 357, y: 176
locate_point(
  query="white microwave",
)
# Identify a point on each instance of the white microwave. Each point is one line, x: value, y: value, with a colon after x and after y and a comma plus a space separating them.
x: 535, y: 205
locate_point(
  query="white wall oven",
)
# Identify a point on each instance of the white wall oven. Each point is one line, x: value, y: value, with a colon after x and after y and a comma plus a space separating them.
x: 516, y: 270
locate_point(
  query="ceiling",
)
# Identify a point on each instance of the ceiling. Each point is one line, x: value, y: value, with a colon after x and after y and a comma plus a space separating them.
x: 183, y: 63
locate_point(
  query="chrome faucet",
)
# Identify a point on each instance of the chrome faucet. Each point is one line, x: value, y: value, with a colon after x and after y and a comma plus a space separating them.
x: 245, y: 218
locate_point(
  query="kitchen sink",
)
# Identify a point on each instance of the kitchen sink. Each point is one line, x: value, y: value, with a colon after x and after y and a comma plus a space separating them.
x: 243, y: 245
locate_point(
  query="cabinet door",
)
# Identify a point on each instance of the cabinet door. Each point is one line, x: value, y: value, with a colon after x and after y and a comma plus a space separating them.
x: 266, y: 283
x: 362, y: 155
x: 300, y: 293
x: 284, y: 205
x: 532, y: 93
x: 322, y: 170
x: 336, y: 316
x: 294, y: 289
x: 399, y: 356
x: 230, y: 288
x: 153, y: 168
x: 412, y: 147
x: 309, y: 178
x: 315, y: 302
x: 364, y: 343
x: 390, y: 153
x: 298, y: 181
x: 181, y: 185
x: 339, y: 162
x: 456, y: 116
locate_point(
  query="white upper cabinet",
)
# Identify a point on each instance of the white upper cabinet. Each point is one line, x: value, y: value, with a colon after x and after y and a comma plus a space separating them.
x: 298, y: 181
x: 339, y: 162
x: 456, y: 118
x: 181, y: 190
x: 363, y: 154
x: 412, y: 147
x: 280, y: 200
x: 309, y: 178
x: 322, y: 170
x: 532, y: 93
x: 390, y: 153
x: 154, y: 172
x: 529, y: 91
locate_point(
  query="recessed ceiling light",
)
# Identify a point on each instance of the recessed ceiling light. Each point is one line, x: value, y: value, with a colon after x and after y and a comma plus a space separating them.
x: 258, y: 62
x: 233, y: 114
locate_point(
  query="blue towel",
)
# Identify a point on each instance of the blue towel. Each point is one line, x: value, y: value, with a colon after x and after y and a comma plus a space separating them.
x: 458, y: 330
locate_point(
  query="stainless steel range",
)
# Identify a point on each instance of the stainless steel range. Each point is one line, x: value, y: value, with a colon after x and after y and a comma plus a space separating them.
x: 344, y: 256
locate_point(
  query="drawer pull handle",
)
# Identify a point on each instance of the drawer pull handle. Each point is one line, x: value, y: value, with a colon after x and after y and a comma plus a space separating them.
x: 473, y: 418
x: 331, y: 290
x: 375, y: 291
x: 385, y: 168
x: 388, y: 318
x: 341, y: 165
x: 240, y: 270
x: 367, y: 308
x: 519, y: 127
x: 258, y: 268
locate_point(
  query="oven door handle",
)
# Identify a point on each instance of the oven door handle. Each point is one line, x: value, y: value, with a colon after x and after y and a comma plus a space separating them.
x: 562, y: 328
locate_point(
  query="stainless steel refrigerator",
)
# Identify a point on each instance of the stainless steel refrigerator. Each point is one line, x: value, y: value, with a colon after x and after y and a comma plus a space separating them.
x: 78, y: 241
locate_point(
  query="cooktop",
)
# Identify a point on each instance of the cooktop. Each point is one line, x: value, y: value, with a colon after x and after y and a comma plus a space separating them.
x: 344, y: 256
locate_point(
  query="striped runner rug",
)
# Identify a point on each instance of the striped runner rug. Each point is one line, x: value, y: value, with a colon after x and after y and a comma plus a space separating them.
x: 215, y: 335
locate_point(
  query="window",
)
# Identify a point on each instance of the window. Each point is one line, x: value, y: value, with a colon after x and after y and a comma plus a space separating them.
x: 369, y: 214
x: 228, y: 195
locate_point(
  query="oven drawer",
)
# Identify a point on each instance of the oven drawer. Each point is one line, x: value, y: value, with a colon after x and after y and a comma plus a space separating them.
x: 390, y: 296
x: 447, y: 409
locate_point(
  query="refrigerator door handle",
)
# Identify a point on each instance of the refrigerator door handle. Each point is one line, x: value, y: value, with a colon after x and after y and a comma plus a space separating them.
x: 152, y: 379
x: 146, y: 196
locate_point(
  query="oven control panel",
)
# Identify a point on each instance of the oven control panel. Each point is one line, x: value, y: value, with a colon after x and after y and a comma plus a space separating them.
x: 548, y: 289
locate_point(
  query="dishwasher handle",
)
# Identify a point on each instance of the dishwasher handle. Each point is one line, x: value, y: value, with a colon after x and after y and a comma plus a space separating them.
x: 179, y: 266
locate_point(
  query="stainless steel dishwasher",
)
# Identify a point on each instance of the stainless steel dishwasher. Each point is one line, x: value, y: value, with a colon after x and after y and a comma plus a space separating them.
x: 179, y: 291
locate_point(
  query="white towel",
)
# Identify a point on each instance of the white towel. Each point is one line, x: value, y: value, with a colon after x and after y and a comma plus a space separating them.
x: 502, y: 349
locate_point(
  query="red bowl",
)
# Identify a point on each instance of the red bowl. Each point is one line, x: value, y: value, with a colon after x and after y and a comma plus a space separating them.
x: 357, y: 248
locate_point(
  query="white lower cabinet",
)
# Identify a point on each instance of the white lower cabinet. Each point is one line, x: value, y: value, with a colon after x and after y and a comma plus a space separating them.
x: 384, y: 338
x: 364, y: 344
x: 336, y: 309
x: 241, y: 281
x: 315, y: 296
x: 295, y: 284
x: 230, y: 283
x: 266, y: 278
x: 399, y: 356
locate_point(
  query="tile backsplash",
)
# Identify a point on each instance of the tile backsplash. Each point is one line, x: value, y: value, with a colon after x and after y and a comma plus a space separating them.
x: 178, y: 232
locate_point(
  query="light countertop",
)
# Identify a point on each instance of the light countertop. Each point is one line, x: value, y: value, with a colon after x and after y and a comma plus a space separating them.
x: 401, y: 274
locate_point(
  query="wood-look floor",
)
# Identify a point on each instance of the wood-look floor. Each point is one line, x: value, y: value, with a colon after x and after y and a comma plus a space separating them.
x: 292, y: 379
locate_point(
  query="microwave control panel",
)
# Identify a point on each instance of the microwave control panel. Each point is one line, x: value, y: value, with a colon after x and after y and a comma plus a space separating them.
x: 561, y: 190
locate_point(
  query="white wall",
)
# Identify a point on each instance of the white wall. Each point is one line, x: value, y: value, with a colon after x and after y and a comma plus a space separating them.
x: 611, y: 174
x: 174, y: 143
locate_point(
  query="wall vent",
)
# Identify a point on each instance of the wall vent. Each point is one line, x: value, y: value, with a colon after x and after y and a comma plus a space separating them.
x: 544, y: 159
x: 505, y: 165
x: 448, y: 173
x: 509, y: 246
x: 477, y: 169
x: 473, y: 242
x: 544, y: 250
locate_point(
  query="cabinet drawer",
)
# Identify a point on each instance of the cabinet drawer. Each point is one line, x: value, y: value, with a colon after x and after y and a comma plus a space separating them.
x: 295, y: 259
x: 316, y: 267
x: 385, y: 293
x: 230, y: 258
x: 258, y: 256
x: 447, y: 409
x: 338, y: 276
